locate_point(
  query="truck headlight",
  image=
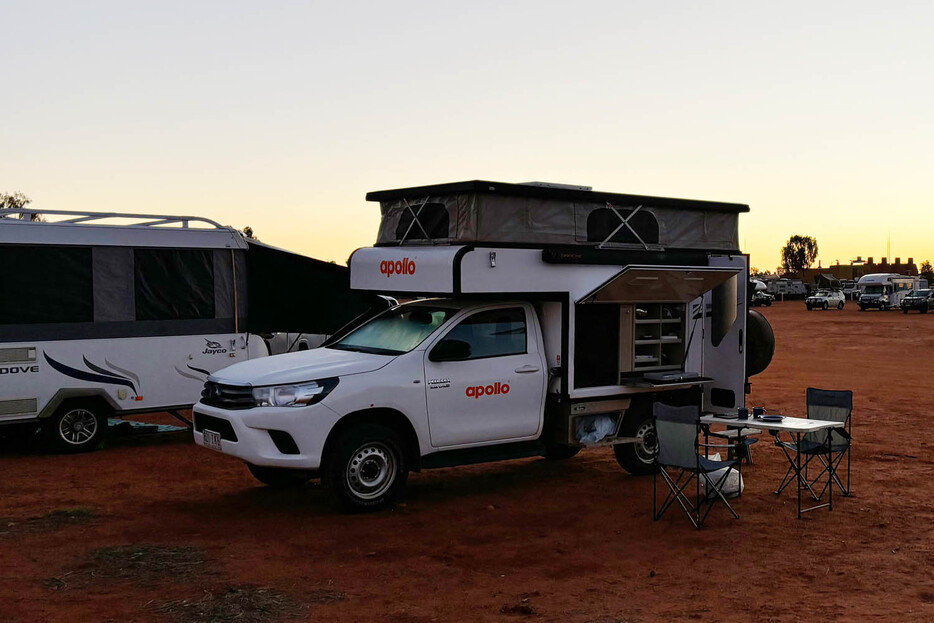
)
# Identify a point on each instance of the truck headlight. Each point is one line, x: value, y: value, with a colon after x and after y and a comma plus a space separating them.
x: 297, y: 395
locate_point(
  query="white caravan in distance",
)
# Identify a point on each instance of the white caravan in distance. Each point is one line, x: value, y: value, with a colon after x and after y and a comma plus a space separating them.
x: 884, y: 291
x: 554, y: 318
x: 105, y: 314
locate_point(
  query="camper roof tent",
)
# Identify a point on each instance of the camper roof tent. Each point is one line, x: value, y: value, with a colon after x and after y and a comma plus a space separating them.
x: 493, y: 212
x: 448, y: 238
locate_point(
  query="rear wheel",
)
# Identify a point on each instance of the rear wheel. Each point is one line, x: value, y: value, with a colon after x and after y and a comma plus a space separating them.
x: 768, y: 303
x: 367, y: 469
x: 279, y: 477
x: 840, y: 305
x: 638, y: 458
x: 77, y: 426
x: 924, y: 309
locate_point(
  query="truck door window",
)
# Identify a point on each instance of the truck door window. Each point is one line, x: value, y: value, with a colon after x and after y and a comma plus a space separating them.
x: 494, y: 333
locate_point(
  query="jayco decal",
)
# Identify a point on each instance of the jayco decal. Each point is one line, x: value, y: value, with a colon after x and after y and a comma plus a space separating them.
x: 405, y: 266
x: 213, y: 348
x: 496, y: 389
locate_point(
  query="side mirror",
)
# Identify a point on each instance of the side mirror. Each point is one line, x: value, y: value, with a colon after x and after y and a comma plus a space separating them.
x: 450, y: 350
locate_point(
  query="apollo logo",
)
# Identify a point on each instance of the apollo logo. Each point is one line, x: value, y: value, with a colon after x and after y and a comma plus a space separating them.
x: 496, y: 389
x: 405, y: 266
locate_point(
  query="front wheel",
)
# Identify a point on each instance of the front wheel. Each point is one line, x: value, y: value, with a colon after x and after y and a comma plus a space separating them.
x: 75, y: 427
x: 638, y: 458
x: 862, y: 308
x: 905, y: 310
x: 367, y: 469
x: 825, y: 306
x: 279, y: 477
x: 809, y: 308
x: 924, y: 309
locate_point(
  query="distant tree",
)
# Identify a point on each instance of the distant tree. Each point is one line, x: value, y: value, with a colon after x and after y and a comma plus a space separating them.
x: 927, y: 272
x: 17, y: 201
x: 754, y: 272
x: 248, y: 232
x: 798, y: 253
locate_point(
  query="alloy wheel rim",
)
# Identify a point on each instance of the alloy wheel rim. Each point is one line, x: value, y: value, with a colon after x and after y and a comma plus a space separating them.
x: 371, y: 470
x: 77, y: 427
x: 647, y: 446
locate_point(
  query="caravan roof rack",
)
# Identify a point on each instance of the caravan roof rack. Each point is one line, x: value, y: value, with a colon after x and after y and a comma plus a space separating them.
x: 115, y: 229
x: 84, y: 216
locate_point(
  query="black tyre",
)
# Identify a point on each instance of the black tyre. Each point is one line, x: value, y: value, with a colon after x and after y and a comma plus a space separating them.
x: 367, y: 469
x: 924, y: 309
x: 638, y: 458
x: 279, y: 477
x: 840, y: 305
x: 904, y: 310
x: 561, y: 453
x: 862, y: 308
x: 768, y: 303
x: 825, y: 306
x: 77, y: 426
x: 809, y: 307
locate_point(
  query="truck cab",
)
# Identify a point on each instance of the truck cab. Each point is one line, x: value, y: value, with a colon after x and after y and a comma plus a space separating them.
x: 504, y: 351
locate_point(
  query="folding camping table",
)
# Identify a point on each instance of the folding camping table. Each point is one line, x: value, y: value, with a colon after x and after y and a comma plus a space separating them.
x: 796, y: 427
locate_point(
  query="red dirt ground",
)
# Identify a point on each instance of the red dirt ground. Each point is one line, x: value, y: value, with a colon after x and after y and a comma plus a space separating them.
x: 527, y: 539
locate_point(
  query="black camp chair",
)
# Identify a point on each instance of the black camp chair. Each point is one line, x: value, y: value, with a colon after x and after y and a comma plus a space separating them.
x: 679, y: 463
x: 827, y: 405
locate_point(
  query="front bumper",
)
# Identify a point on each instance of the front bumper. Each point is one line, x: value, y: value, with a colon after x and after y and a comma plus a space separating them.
x: 246, y: 434
x: 877, y: 303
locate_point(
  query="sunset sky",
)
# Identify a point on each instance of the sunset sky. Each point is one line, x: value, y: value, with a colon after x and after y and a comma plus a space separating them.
x: 282, y: 115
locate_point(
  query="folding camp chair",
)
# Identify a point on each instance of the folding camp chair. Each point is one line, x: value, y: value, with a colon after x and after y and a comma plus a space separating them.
x: 827, y: 405
x: 679, y: 462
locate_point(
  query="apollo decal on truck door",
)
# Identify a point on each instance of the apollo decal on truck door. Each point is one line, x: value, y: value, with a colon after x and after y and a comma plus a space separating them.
x: 496, y: 389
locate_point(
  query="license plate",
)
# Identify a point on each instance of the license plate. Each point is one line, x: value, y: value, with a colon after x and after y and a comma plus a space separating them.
x: 212, y: 440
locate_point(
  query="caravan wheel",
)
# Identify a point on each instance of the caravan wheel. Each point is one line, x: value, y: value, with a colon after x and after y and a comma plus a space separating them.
x: 75, y: 427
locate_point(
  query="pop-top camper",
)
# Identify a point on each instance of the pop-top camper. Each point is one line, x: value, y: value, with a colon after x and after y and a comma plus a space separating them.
x: 105, y: 314
x: 543, y: 319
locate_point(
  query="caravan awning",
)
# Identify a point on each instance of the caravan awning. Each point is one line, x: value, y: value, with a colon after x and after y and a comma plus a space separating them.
x: 659, y: 284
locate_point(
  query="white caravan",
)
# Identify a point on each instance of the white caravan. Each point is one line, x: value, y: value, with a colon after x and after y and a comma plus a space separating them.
x: 105, y: 314
x: 556, y: 317
x: 884, y: 291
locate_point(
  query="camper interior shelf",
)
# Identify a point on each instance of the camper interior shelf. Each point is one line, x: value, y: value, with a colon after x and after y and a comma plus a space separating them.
x: 658, y: 342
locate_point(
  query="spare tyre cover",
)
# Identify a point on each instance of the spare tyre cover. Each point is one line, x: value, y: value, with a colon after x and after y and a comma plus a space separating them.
x: 760, y: 343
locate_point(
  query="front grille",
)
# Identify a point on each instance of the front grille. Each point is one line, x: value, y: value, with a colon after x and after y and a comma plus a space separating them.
x: 227, y: 396
x: 216, y: 424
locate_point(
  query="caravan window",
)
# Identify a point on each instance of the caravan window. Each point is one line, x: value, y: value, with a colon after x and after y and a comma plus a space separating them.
x: 602, y: 221
x: 433, y: 218
x: 44, y: 284
x: 174, y: 284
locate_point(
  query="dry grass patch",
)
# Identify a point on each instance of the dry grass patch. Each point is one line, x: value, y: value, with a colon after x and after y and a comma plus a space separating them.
x: 138, y: 563
x: 244, y: 603
x: 50, y: 522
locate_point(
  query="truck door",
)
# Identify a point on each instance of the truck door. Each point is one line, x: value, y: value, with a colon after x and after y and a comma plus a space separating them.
x: 485, y: 379
x: 724, y: 358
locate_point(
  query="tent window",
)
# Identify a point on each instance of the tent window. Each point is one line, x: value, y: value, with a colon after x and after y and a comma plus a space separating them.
x: 45, y: 285
x: 433, y: 217
x: 602, y: 221
x: 174, y: 284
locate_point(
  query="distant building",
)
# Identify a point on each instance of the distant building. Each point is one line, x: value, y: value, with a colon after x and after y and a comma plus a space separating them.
x: 825, y: 275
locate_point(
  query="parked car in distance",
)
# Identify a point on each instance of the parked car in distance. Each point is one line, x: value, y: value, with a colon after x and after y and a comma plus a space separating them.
x: 922, y: 300
x: 762, y: 298
x: 825, y: 299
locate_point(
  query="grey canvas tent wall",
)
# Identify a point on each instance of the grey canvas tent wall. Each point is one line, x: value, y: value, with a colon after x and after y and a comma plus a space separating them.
x: 294, y: 293
x: 494, y: 212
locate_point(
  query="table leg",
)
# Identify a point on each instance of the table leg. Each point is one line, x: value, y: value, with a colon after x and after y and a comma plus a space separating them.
x: 798, y: 469
x: 830, y: 468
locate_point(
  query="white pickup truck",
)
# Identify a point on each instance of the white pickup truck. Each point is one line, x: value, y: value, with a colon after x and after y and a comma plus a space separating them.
x: 519, y: 351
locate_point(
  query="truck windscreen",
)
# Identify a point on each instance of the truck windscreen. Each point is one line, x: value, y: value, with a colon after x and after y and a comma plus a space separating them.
x: 397, y: 331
